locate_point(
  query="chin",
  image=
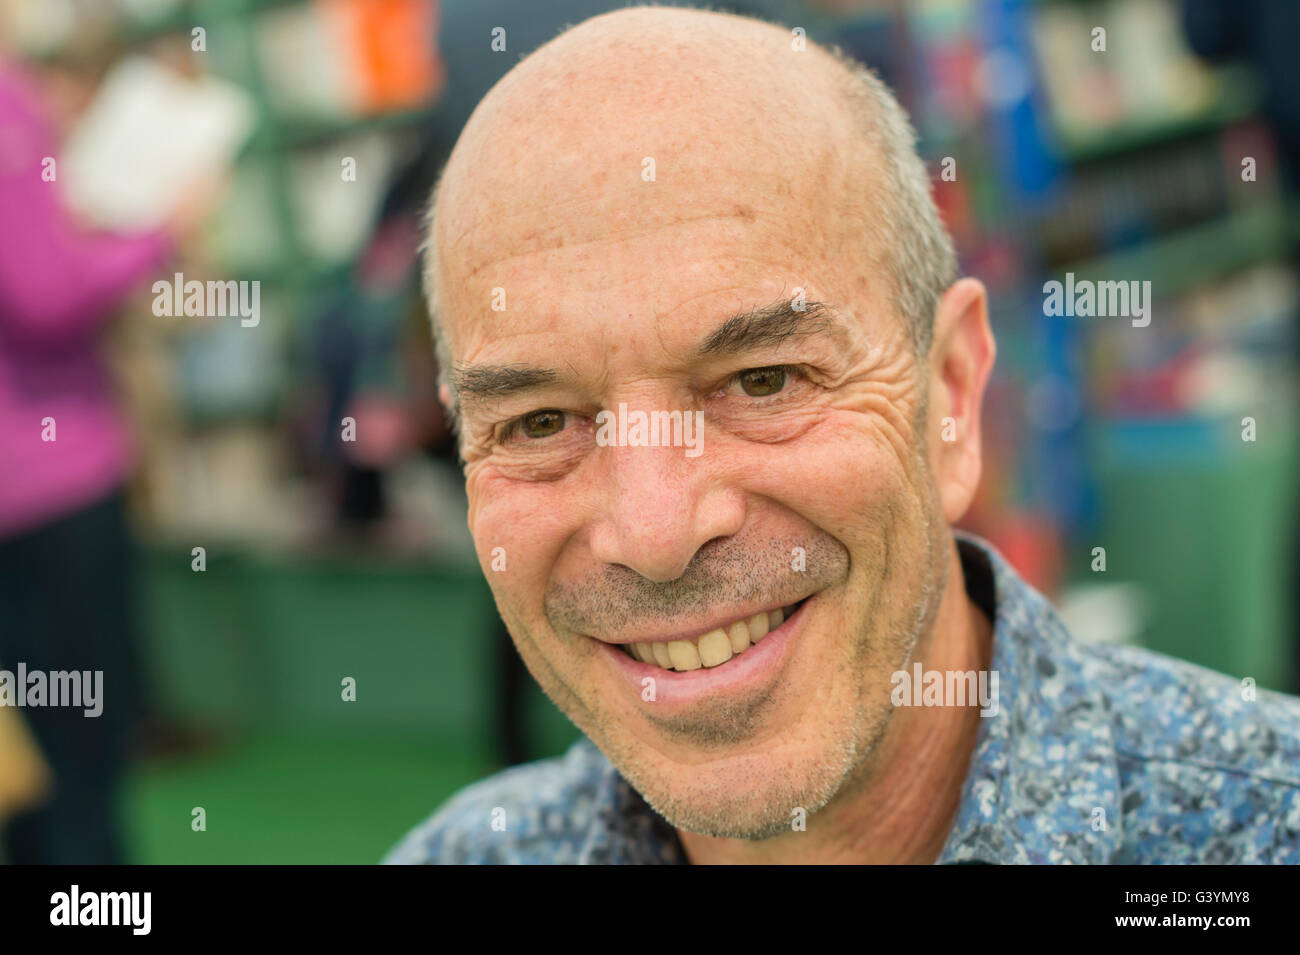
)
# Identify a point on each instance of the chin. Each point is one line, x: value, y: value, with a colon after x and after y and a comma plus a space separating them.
x: 754, y: 796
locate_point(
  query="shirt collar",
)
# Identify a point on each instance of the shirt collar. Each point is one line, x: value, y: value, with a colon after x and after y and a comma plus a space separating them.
x: 625, y: 830
x: 1043, y: 782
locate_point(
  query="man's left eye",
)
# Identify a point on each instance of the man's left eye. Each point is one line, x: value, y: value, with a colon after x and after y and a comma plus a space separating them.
x: 762, y: 382
x: 535, y: 426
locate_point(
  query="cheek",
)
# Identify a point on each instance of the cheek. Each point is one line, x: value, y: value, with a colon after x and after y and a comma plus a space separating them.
x: 519, y: 528
x: 842, y: 476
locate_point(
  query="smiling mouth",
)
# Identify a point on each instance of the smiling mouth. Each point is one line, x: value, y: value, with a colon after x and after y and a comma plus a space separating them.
x: 714, y: 648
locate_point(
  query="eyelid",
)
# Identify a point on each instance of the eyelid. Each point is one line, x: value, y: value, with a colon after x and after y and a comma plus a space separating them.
x: 508, y: 430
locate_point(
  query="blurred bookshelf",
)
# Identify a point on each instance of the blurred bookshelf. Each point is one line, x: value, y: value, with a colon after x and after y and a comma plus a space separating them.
x: 1222, y: 247
x: 1235, y: 98
x: 1124, y: 165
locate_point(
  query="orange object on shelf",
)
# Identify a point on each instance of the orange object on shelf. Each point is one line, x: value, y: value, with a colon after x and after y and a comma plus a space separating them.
x: 393, y: 49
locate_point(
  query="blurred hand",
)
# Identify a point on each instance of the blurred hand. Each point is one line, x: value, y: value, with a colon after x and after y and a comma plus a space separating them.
x: 383, y: 431
x: 187, y: 219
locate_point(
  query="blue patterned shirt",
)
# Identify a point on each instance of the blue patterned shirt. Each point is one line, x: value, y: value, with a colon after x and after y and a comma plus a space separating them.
x: 1097, y: 754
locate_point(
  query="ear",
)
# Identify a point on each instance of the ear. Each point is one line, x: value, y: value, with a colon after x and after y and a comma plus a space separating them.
x: 961, y: 357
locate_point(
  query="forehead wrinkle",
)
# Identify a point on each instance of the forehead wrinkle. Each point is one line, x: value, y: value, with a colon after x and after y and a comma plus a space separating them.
x: 725, y: 132
x: 565, y: 242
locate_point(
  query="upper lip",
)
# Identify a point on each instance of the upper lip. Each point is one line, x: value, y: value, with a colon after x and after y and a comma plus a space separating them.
x: 696, y: 632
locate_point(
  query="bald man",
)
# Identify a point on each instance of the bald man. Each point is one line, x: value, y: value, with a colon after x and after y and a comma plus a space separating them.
x: 718, y: 388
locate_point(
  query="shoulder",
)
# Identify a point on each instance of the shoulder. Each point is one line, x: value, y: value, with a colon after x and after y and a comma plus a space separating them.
x: 1188, y: 765
x: 538, y: 812
x: 1168, y: 709
x: 1208, y: 765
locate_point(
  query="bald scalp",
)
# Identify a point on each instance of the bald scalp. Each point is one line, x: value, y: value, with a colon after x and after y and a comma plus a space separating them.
x: 633, y: 61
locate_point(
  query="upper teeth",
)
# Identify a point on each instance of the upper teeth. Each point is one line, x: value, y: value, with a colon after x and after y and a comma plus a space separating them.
x: 713, y: 648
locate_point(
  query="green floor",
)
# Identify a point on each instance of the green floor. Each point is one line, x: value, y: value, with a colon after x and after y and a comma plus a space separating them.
x: 253, y: 651
x: 281, y: 798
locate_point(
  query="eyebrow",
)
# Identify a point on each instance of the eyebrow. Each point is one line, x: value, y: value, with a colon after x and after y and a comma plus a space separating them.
x: 769, y: 325
x: 478, y: 383
x: 757, y: 328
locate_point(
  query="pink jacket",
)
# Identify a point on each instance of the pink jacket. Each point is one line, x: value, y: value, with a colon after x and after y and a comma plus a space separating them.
x: 58, y: 286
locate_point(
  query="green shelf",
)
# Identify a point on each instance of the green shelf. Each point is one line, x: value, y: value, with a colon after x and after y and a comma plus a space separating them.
x: 1221, y: 247
x: 1238, y: 100
x: 189, y: 15
x: 1197, y: 528
x: 295, y: 132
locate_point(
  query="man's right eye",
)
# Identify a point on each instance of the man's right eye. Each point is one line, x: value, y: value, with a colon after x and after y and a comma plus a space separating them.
x: 536, y: 425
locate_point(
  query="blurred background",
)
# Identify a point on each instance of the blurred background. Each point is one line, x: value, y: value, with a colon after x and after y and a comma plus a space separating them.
x: 294, y: 142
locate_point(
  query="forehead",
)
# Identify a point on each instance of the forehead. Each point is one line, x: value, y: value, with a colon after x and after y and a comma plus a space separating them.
x: 581, y: 219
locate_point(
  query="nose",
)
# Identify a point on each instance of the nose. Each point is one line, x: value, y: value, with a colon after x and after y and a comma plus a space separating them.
x: 660, y: 508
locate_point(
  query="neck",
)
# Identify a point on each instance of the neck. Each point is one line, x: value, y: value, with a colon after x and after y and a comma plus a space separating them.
x: 899, y: 805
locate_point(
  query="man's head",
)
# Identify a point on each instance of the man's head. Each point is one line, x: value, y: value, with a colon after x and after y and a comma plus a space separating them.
x: 690, y: 213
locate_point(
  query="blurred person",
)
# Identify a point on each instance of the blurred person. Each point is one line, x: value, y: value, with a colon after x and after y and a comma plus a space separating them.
x: 354, y: 338
x: 772, y: 643
x: 67, y: 571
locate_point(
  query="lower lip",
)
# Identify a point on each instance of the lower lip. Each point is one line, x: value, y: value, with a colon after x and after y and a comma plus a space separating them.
x: 753, y: 668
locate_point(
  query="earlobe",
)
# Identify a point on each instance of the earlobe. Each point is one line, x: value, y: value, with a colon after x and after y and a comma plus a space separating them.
x: 961, y: 360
